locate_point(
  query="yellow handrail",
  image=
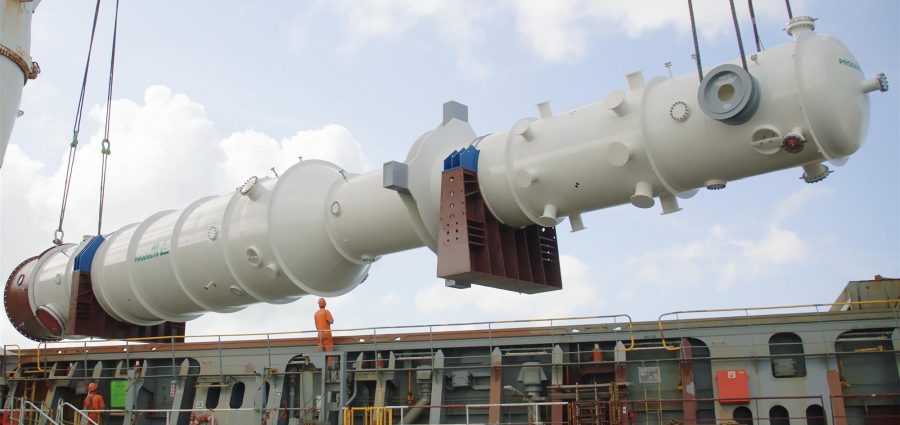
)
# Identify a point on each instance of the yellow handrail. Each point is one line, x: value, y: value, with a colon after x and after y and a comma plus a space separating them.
x: 372, y: 415
x: 18, y: 355
x: 39, y: 369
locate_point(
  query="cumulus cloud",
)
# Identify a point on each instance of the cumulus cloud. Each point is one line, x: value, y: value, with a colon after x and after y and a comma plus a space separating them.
x: 551, y: 30
x: 579, y: 295
x: 457, y: 23
x: 557, y: 31
x: 723, y: 257
x: 251, y: 152
x: 166, y: 153
x: 719, y: 257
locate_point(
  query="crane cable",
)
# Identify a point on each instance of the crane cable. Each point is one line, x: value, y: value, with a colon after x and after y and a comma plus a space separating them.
x: 104, y: 146
x: 58, y: 234
x: 759, y: 44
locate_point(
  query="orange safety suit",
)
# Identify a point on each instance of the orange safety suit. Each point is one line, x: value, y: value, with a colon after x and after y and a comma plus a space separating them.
x: 324, y: 320
x: 206, y: 418
x: 94, y: 401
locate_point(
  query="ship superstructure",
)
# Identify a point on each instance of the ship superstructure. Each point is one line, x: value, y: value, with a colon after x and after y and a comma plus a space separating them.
x: 818, y: 364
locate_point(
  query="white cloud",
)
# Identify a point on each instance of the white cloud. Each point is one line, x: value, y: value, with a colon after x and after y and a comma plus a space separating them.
x: 725, y: 258
x: 557, y: 31
x: 579, y: 294
x: 793, y: 204
x: 253, y: 153
x: 458, y: 24
x: 550, y: 28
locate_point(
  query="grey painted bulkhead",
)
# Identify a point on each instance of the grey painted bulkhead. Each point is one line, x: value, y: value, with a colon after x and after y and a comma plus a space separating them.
x: 285, y: 383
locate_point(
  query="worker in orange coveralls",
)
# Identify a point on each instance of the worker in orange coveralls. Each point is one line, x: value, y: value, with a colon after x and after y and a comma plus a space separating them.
x: 324, y: 320
x: 94, y: 401
x: 207, y: 417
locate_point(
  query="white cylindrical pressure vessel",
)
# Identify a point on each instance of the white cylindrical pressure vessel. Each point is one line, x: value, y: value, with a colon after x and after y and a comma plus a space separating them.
x: 803, y: 87
x: 272, y: 240
x: 355, y: 206
x: 267, y: 242
x: 594, y: 157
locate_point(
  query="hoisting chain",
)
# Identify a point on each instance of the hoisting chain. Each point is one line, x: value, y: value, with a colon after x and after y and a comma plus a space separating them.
x: 105, y: 145
x: 30, y: 72
x: 70, y: 164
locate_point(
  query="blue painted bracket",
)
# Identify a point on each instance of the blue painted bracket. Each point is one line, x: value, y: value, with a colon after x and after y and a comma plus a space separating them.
x: 84, y: 258
x: 466, y: 158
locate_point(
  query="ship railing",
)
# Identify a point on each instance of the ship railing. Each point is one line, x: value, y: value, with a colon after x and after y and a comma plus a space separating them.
x: 888, y: 410
x: 26, y: 413
x: 530, y: 406
x: 378, y: 415
x: 81, y: 416
x: 619, y: 324
x: 374, y: 335
x: 6, y: 349
x: 652, y: 408
x: 759, y: 407
x: 809, y: 308
x: 168, y: 413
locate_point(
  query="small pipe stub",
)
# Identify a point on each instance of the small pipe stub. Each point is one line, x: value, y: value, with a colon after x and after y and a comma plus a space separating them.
x: 793, y: 142
x: 879, y: 83
x: 618, y: 154
x: 544, y: 110
x: 635, y: 80
x: 798, y: 24
x: 729, y: 94
x: 523, y: 178
x: 679, y: 111
x: 548, y: 218
x: 669, y: 203
x: 576, y: 222
x: 815, y: 172
x: 523, y: 128
x: 643, y: 195
x: 249, y: 187
x: 615, y: 102
x: 715, y: 184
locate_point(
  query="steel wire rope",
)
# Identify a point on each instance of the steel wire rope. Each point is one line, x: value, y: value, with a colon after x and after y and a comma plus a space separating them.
x: 759, y: 44
x: 737, y: 32
x: 696, y: 43
x: 104, y: 146
x: 70, y: 164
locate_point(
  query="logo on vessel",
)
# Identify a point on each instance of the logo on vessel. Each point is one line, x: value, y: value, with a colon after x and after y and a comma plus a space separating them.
x: 157, y: 250
x: 850, y: 63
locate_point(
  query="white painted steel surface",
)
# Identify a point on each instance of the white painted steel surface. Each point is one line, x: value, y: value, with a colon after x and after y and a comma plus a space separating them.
x: 316, y: 229
x: 607, y: 153
x: 350, y: 219
x: 52, y: 283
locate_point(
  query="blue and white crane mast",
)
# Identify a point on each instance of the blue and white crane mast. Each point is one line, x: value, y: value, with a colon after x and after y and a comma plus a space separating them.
x: 316, y: 229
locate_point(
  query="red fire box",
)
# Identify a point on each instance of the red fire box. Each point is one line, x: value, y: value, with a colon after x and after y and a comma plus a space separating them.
x: 733, y: 386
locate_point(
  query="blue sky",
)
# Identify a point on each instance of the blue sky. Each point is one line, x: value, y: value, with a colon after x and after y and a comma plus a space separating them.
x: 208, y: 93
